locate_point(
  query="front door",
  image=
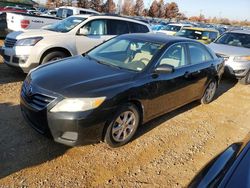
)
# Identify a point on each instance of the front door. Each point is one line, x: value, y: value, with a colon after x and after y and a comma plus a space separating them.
x: 96, y: 34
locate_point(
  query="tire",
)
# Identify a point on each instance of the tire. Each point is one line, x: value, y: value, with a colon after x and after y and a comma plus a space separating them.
x: 116, y: 129
x: 246, y: 79
x: 209, y: 92
x: 52, y: 56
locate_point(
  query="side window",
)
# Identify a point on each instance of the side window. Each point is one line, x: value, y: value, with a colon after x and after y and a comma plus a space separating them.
x: 138, y: 28
x: 96, y: 27
x: 198, y: 54
x: 175, y: 56
x: 213, y: 35
x: 118, y: 27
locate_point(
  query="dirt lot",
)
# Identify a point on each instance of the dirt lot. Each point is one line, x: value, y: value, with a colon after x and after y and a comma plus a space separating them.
x: 167, y: 151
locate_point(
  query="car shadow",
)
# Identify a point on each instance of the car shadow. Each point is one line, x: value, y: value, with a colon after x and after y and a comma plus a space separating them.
x: 225, y: 85
x: 9, y: 75
x: 20, y: 145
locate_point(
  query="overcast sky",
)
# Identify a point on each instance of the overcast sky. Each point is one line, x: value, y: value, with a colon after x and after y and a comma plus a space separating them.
x: 232, y: 9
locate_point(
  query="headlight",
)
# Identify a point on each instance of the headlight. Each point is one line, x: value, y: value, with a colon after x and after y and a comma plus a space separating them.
x: 78, y: 104
x: 242, y: 58
x: 28, y: 41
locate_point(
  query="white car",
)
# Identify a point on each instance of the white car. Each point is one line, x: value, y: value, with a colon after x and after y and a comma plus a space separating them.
x: 172, y: 29
x: 66, y: 11
x: 72, y: 36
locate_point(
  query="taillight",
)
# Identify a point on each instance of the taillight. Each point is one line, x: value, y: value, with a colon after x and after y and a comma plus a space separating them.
x: 25, y: 23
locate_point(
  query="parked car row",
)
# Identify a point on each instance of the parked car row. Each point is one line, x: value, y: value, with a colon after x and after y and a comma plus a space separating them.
x: 117, y: 81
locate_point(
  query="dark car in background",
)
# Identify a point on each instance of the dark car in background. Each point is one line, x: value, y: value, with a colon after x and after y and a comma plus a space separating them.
x: 229, y: 169
x: 107, y: 93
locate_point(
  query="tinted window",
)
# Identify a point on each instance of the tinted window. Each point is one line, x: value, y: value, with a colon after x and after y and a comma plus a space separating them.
x: 118, y: 27
x: 96, y: 27
x: 138, y: 28
x: 235, y: 39
x: 198, y: 54
x: 64, y: 13
x: 175, y: 56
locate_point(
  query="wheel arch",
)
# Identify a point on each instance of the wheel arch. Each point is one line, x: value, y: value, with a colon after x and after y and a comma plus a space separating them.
x: 61, y: 49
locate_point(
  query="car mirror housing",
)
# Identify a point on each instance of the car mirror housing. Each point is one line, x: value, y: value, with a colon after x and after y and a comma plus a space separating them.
x: 164, y: 68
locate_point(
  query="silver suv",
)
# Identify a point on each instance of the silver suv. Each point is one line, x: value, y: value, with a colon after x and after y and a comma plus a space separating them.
x: 234, y: 47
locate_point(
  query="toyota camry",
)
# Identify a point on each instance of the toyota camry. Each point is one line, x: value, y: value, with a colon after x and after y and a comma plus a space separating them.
x: 106, y: 93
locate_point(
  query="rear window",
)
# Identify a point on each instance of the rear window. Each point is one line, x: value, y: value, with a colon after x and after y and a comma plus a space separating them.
x: 64, y: 13
x: 118, y: 27
x: 138, y: 28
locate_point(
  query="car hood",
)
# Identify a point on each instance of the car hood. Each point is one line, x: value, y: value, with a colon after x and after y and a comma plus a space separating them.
x: 229, y: 50
x: 79, y: 77
x: 32, y: 33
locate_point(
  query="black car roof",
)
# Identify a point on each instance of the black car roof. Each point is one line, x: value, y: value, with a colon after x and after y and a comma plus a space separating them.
x: 156, y: 37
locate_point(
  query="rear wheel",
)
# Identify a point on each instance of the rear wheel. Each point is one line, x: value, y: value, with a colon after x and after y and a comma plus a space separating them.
x: 209, y: 92
x: 52, y: 56
x: 246, y: 79
x: 123, y: 126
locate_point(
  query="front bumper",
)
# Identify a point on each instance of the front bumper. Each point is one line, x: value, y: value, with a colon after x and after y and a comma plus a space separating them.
x: 19, y: 58
x: 237, y: 69
x: 66, y: 128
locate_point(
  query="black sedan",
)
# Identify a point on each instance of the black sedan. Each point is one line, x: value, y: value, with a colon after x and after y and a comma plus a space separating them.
x: 229, y: 169
x: 108, y: 92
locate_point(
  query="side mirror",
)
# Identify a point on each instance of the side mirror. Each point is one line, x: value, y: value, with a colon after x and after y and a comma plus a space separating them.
x: 83, y: 31
x: 164, y: 68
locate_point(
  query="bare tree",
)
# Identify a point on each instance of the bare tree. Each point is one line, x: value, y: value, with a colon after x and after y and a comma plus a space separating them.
x: 128, y: 8
x: 109, y: 6
x: 139, y: 7
x: 161, y: 6
x: 96, y: 5
x: 154, y: 9
x: 172, y: 10
x: 83, y: 3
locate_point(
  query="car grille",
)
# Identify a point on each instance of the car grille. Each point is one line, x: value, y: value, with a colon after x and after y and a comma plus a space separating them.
x: 9, y: 43
x: 36, y: 100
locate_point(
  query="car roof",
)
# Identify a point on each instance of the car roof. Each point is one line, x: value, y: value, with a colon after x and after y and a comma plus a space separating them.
x: 157, y: 38
x: 240, y: 31
x: 200, y: 29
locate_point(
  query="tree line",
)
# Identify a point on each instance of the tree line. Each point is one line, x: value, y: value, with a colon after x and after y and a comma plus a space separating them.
x: 158, y: 9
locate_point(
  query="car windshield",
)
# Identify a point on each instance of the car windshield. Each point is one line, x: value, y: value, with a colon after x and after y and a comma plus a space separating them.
x: 130, y: 54
x: 65, y: 25
x: 192, y: 34
x: 235, y: 39
x: 172, y: 28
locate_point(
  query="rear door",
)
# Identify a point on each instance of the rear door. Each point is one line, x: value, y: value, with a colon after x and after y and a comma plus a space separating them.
x: 170, y: 90
x: 201, y: 64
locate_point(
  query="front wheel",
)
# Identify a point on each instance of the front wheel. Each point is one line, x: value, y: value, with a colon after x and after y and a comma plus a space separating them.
x: 52, y: 56
x: 123, y: 126
x: 246, y: 79
x: 209, y: 92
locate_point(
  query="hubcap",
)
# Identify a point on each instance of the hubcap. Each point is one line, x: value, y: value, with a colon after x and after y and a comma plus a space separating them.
x: 55, y: 58
x: 123, y: 126
x: 210, y: 91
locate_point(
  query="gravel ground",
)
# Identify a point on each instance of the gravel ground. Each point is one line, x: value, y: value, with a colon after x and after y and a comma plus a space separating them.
x: 167, y: 152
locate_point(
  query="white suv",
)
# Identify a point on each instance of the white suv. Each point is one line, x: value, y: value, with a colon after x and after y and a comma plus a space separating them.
x: 71, y: 36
